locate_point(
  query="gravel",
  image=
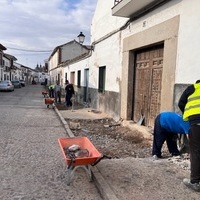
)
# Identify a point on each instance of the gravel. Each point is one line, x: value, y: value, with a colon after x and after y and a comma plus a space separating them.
x: 132, y: 173
x: 112, y: 139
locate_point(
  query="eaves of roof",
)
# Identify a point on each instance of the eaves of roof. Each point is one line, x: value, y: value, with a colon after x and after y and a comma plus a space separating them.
x: 27, y: 68
x: 88, y: 47
x: 10, y: 57
x: 2, y: 47
x: 71, y: 61
x: 76, y: 59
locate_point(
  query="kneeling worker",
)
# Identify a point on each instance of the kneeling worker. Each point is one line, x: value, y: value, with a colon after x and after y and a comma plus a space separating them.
x: 167, y: 125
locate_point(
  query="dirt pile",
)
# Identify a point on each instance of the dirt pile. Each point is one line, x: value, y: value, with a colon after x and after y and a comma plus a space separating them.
x: 110, y: 138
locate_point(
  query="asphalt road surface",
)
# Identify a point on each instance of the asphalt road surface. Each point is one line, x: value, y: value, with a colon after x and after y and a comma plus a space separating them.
x: 31, y: 164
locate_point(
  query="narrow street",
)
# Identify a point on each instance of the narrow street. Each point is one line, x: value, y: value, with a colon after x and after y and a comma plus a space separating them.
x: 31, y: 163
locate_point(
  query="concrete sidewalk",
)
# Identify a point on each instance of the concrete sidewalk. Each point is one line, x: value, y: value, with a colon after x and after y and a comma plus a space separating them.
x: 86, y: 113
x: 133, y: 178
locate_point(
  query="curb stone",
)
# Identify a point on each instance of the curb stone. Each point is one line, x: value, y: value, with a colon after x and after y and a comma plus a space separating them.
x: 101, y: 184
x: 69, y: 132
x: 103, y: 187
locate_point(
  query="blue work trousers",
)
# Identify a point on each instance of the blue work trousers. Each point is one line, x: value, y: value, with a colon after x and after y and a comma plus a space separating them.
x: 160, y: 136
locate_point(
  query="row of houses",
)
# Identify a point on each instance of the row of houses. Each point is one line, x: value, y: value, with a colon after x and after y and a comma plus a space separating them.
x: 11, y: 70
x: 142, y: 56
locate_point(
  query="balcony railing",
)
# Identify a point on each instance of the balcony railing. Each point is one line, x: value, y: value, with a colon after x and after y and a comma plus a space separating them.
x: 135, y: 8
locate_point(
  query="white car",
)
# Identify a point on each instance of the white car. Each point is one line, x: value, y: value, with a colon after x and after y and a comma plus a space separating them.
x: 6, y: 86
x: 22, y: 83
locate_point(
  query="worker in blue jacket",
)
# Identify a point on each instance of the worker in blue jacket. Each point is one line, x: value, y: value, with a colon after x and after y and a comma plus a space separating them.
x: 166, y: 127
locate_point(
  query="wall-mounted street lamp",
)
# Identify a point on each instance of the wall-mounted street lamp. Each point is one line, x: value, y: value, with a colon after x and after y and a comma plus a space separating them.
x: 81, y: 38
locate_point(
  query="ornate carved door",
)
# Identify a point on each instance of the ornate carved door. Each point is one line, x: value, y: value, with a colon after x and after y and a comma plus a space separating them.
x: 148, y: 79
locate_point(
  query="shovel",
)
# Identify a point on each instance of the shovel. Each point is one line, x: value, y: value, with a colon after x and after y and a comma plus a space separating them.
x: 141, y: 120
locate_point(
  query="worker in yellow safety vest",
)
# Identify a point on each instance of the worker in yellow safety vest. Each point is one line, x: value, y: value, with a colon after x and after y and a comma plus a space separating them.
x: 189, y: 104
x: 51, y: 90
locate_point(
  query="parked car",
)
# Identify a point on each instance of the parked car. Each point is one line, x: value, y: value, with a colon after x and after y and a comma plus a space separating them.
x: 16, y: 84
x: 6, y: 86
x: 22, y: 83
x: 42, y: 83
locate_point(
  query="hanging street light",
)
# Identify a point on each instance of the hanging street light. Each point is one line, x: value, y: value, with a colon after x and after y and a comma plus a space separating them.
x: 81, y: 38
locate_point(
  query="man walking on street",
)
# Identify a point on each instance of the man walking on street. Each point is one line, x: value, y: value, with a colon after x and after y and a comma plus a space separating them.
x: 189, y: 104
x: 69, y: 89
x: 57, y: 90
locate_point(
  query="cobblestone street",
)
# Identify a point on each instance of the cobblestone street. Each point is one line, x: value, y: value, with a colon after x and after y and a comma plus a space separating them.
x: 32, y: 166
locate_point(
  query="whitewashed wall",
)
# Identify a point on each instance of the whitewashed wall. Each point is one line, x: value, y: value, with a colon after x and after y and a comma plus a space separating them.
x: 188, y: 64
x: 107, y: 52
x: 72, y: 50
x: 161, y: 14
x: 6, y: 75
x: 53, y: 62
x: 18, y: 71
x: 188, y: 38
x: 6, y: 62
x: 103, y: 22
x: 81, y: 65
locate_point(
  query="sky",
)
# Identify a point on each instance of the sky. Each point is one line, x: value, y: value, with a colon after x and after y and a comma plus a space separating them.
x: 31, y: 29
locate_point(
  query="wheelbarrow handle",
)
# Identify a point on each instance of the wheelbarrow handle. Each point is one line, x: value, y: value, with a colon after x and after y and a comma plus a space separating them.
x: 99, y: 159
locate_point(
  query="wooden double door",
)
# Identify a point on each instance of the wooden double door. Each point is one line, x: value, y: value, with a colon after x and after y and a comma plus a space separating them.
x: 147, y: 84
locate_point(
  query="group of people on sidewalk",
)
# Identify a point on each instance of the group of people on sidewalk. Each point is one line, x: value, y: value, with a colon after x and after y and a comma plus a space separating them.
x: 55, y: 91
x: 168, y: 124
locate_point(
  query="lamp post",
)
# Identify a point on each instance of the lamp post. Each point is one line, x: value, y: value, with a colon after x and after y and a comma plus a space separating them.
x: 81, y: 38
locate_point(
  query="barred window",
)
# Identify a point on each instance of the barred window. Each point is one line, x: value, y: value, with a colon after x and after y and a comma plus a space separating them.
x: 102, y: 79
x: 79, y: 78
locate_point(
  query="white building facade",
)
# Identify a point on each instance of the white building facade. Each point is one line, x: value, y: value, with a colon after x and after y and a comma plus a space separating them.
x: 156, y: 51
x: 144, y: 53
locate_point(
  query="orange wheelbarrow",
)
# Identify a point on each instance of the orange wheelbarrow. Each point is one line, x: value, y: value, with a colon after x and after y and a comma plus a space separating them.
x: 49, y: 101
x: 85, y: 156
x: 45, y: 93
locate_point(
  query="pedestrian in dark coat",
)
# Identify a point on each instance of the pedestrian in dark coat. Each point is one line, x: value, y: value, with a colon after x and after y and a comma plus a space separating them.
x: 69, y: 89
